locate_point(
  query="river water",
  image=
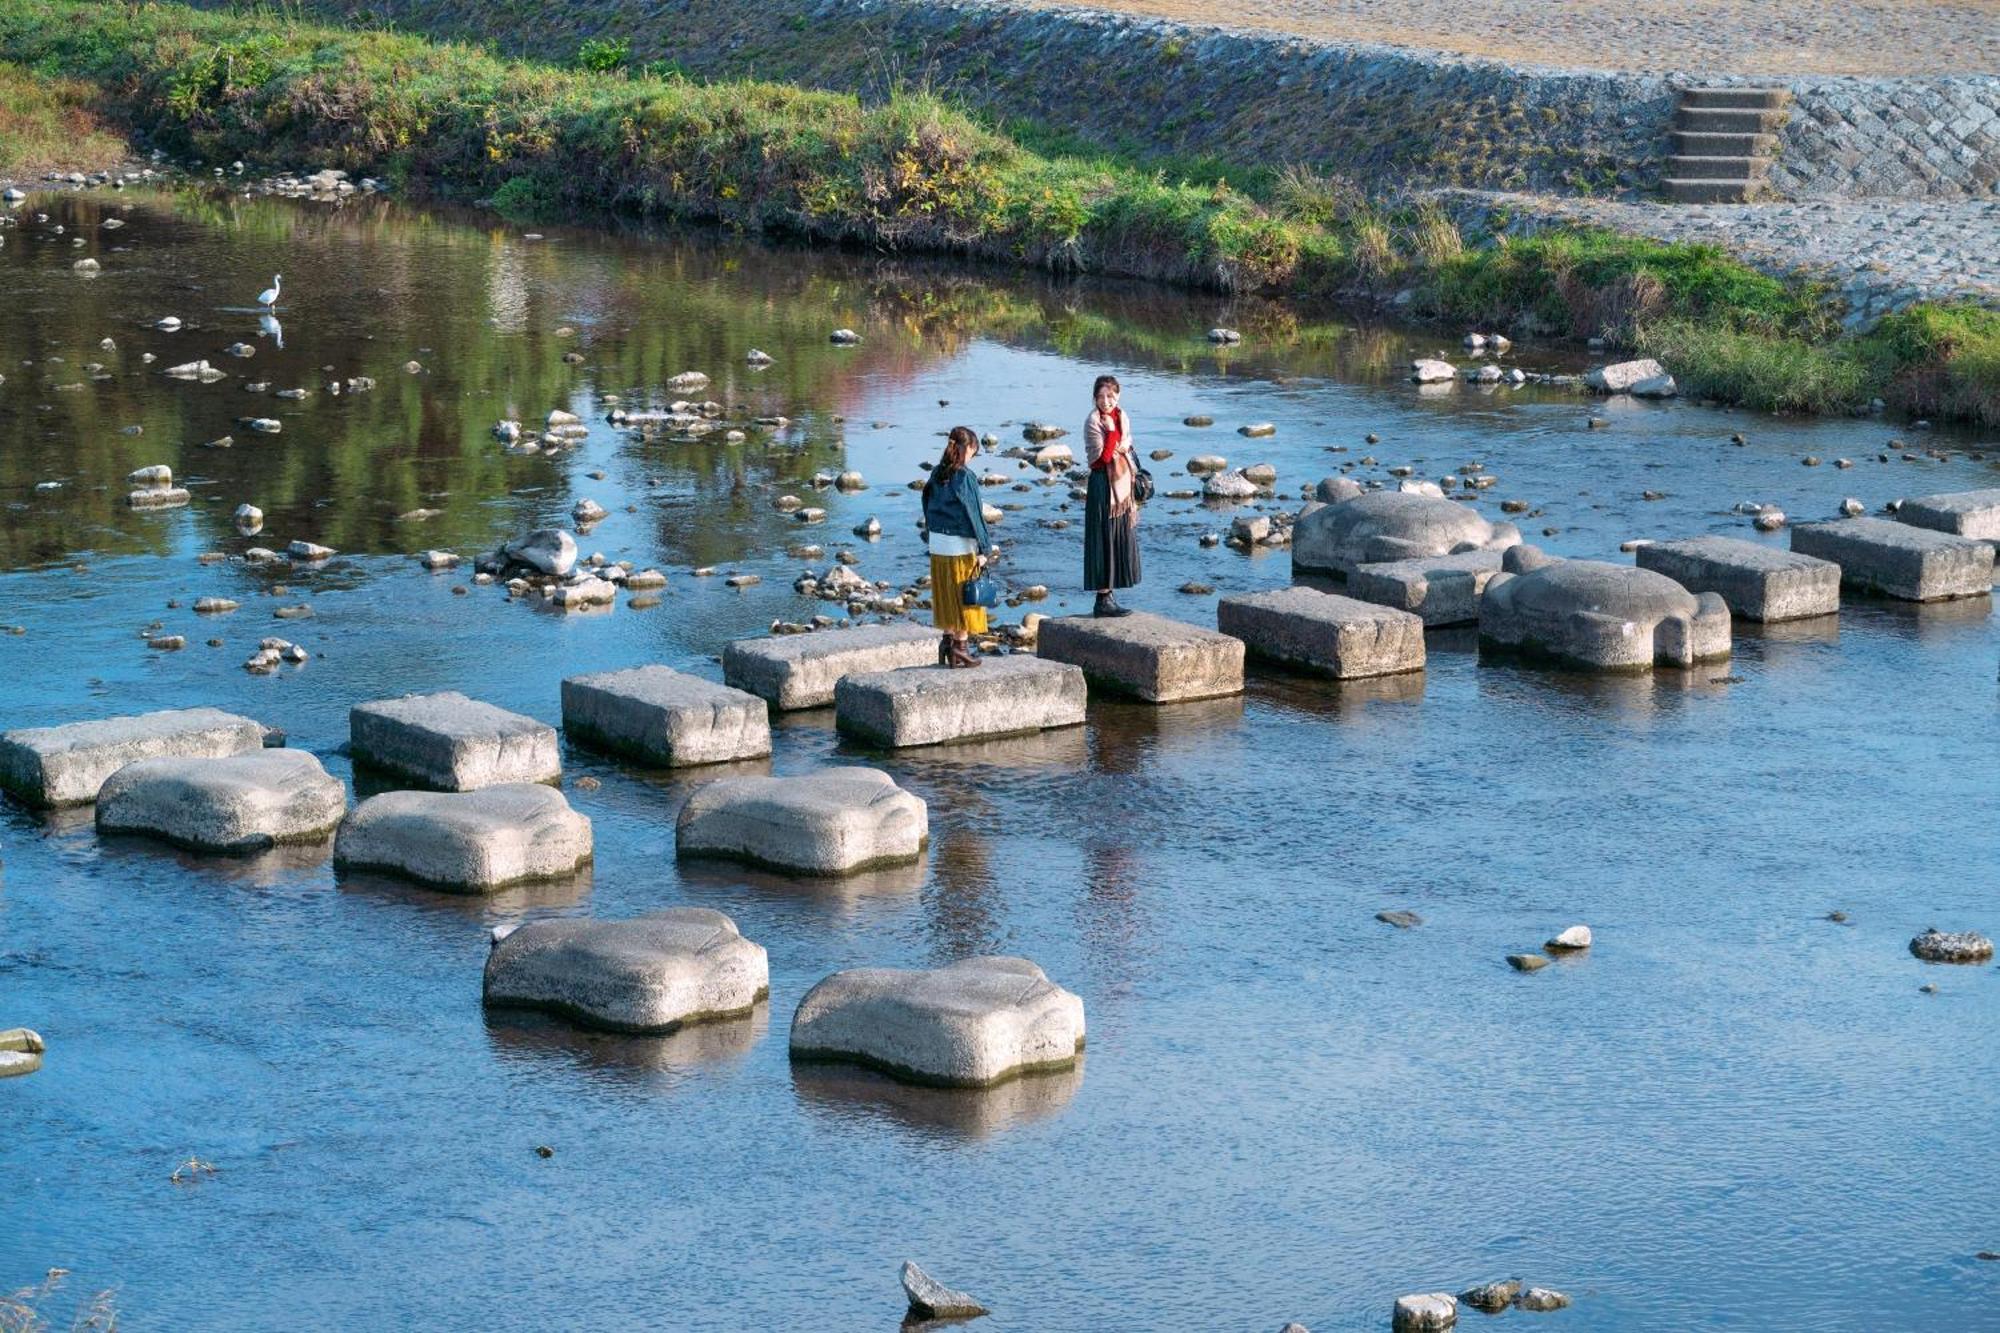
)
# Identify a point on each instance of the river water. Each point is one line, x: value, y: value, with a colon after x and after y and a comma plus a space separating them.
x: 1731, y: 1112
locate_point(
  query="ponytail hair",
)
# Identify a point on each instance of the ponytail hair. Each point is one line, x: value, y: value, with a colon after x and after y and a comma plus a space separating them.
x: 960, y: 448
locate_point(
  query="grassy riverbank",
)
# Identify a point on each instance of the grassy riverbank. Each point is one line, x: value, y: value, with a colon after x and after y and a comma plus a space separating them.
x: 48, y: 123
x: 913, y: 173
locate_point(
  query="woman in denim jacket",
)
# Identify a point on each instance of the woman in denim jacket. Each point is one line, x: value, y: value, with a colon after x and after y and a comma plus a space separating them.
x: 956, y: 525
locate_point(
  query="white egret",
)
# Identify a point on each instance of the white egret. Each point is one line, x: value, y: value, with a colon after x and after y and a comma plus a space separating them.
x: 271, y: 326
x: 269, y: 296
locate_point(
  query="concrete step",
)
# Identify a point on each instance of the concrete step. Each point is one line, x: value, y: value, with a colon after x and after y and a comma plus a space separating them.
x: 1723, y: 145
x: 1717, y: 168
x: 1712, y: 192
x: 1735, y: 99
x: 1698, y: 120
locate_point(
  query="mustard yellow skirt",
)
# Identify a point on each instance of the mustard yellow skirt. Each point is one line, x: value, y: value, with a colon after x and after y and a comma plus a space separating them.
x: 948, y: 573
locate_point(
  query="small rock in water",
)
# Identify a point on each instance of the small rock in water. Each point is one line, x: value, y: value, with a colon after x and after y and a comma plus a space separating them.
x: 931, y: 1299
x: 214, y: 606
x: 1770, y: 520
x: 1197, y: 421
x: 1257, y: 429
x: 844, y: 337
x: 1541, y: 1299
x: 587, y: 511
x: 1491, y: 1297
x: 1429, y: 1312
x: 1527, y: 962
x: 1935, y: 946
x: 1576, y: 937
x: 1221, y: 335
x: 1400, y: 919
x: 1838, y: 918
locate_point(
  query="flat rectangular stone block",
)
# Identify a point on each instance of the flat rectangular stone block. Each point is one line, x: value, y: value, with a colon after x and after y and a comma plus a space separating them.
x: 451, y: 743
x: 1149, y: 657
x: 1915, y: 564
x: 1004, y: 696
x: 666, y: 717
x: 1974, y: 514
x: 1443, y: 589
x: 58, y: 766
x: 1325, y: 633
x: 1758, y: 582
x: 795, y: 671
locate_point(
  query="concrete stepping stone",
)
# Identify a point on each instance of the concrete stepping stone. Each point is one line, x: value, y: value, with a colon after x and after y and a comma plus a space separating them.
x: 1382, y: 526
x: 653, y: 974
x: 971, y: 1024
x: 794, y: 671
x: 1003, y: 696
x: 665, y: 717
x: 452, y: 743
x: 65, y: 765
x: 837, y: 822
x: 1602, y: 616
x: 1758, y: 582
x: 1971, y: 514
x: 475, y: 841
x: 1323, y: 632
x: 20, y: 1052
x: 1443, y: 589
x: 1149, y: 657
x: 1911, y: 563
x: 239, y: 803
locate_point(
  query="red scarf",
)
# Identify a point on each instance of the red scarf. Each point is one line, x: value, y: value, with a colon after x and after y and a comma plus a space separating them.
x: 1114, y: 435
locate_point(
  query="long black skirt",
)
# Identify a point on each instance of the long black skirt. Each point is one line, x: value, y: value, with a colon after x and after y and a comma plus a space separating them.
x: 1110, y: 545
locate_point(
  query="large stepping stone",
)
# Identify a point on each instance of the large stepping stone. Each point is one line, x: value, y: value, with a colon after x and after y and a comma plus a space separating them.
x: 1758, y: 582
x: 475, y: 841
x: 971, y: 1024
x: 794, y: 671
x: 836, y: 822
x: 58, y: 766
x: 452, y: 743
x: 1149, y: 657
x: 1912, y: 563
x: 1382, y: 526
x: 1443, y: 589
x: 1973, y: 514
x: 1603, y: 616
x: 240, y: 803
x: 1003, y: 696
x: 653, y: 974
x: 666, y: 717
x: 1324, y: 633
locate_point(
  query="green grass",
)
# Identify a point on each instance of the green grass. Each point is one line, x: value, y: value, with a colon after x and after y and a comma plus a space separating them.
x: 48, y: 123
x: 914, y: 173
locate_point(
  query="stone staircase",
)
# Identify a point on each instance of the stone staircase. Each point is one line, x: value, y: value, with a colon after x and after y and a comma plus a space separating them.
x: 1723, y: 139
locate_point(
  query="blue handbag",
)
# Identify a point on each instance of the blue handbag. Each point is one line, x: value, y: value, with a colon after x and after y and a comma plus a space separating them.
x: 981, y: 589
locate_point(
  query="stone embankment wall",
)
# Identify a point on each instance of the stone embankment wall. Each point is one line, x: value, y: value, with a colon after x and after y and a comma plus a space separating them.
x: 1384, y: 115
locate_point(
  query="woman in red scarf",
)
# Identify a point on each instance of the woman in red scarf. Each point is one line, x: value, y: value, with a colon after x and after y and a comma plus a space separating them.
x: 1110, y: 512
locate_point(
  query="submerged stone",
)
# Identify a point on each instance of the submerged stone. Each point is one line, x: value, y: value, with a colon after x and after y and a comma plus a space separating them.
x: 801, y: 670
x: 970, y: 1024
x: 1149, y: 657
x: 453, y: 743
x: 1004, y: 696
x: 1324, y: 633
x: 665, y: 717
x: 476, y: 841
x: 836, y: 822
x: 1912, y: 563
x: 238, y: 803
x: 1442, y: 590
x: 1757, y: 581
x: 652, y: 974
x: 1603, y: 616
x: 66, y: 765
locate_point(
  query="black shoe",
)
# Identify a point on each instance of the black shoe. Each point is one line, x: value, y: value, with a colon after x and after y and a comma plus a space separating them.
x: 1106, y: 608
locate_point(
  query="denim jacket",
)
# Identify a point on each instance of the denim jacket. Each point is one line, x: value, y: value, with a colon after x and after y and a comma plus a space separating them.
x: 953, y: 508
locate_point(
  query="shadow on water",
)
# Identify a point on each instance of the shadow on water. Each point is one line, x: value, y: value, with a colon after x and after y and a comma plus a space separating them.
x: 949, y: 1115
x: 526, y: 1036
x: 269, y: 868
x: 837, y: 895
x: 552, y: 896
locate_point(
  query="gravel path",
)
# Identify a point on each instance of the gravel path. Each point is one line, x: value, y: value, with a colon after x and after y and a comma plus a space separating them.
x: 1883, y: 253
x: 1708, y: 36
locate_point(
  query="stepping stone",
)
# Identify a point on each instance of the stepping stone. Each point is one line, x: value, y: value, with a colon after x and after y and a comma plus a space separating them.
x: 1003, y: 696
x: 1912, y: 563
x: 971, y: 1024
x: 652, y: 974
x: 1602, y: 616
x: 795, y: 671
x: 1324, y: 633
x: 1758, y: 582
x: 932, y: 1299
x: 452, y: 743
x: 1383, y: 526
x: 1150, y: 657
x: 1429, y: 1312
x: 665, y: 717
x: 837, y: 822
x: 57, y: 766
x: 239, y: 803
x: 1972, y: 514
x: 20, y: 1051
x: 1444, y: 589
x: 476, y: 841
